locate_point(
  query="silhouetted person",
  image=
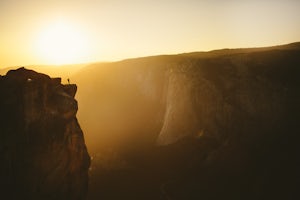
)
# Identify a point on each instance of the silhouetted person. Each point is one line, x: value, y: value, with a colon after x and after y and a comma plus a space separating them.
x: 68, y: 81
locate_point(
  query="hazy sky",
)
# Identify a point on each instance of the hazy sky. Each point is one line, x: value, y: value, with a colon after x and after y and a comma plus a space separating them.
x: 117, y: 29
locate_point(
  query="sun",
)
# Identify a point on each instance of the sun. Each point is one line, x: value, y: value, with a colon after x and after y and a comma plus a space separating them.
x: 62, y: 43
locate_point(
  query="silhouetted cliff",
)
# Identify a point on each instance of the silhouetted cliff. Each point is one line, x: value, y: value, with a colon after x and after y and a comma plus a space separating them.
x: 42, y: 148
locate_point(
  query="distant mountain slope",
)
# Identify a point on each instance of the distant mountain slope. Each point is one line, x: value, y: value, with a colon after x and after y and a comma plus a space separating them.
x: 170, y: 96
x: 220, y: 52
x: 226, y: 122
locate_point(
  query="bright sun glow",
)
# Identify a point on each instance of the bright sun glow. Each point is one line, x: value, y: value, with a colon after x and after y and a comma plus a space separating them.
x: 62, y: 43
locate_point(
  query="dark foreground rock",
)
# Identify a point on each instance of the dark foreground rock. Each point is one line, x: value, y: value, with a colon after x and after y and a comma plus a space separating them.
x: 42, y: 149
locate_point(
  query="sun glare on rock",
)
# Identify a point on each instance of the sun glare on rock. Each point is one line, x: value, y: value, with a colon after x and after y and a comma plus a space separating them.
x: 62, y: 43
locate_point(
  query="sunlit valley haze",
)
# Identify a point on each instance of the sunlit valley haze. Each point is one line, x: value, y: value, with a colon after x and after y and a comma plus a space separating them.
x: 149, y: 99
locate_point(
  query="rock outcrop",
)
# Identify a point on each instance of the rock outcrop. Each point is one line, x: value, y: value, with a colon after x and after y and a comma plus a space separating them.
x: 42, y: 148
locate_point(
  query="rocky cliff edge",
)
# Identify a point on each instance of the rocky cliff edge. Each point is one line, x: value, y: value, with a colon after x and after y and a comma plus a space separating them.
x: 42, y: 148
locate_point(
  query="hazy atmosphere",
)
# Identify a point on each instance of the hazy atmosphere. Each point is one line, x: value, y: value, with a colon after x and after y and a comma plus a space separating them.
x: 81, y: 31
x: 149, y: 100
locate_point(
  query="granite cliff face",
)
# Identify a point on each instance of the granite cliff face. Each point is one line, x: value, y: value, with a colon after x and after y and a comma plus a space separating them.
x: 234, y: 93
x: 42, y: 148
x: 226, y: 122
x: 206, y: 93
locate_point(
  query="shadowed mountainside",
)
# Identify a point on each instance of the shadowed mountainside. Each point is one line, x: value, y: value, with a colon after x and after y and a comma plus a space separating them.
x: 43, y: 154
x: 225, y: 121
x: 187, y: 94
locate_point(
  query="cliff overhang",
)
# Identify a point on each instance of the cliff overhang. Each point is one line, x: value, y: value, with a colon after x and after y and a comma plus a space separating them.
x: 42, y: 146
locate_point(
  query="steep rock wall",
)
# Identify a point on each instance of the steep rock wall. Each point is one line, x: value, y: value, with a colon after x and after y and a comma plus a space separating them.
x: 249, y: 94
x: 42, y: 148
x: 165, y: 98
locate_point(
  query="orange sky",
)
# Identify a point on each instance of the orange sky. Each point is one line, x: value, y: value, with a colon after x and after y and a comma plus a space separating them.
x: 78, y: 31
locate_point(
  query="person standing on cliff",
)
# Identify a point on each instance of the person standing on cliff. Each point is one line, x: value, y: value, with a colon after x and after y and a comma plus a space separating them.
x: 68, y: 81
